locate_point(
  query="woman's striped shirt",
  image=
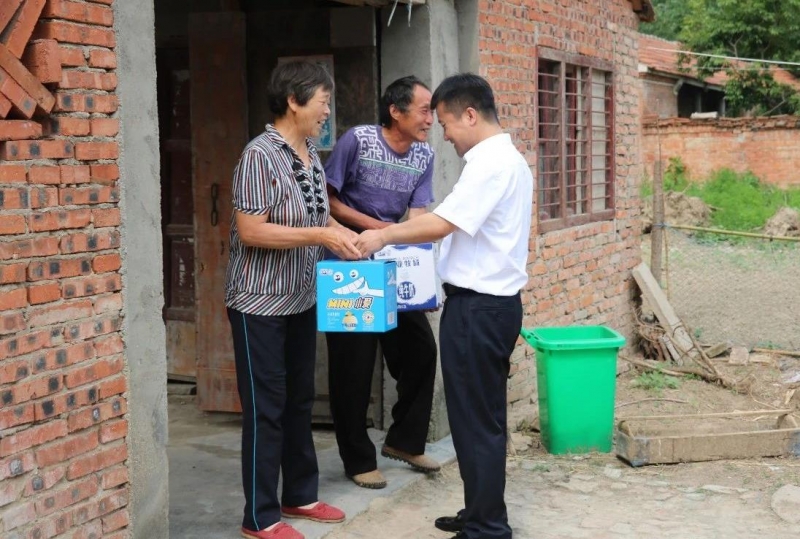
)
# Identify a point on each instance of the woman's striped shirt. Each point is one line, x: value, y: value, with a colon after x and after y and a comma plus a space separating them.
x: 271, y: 179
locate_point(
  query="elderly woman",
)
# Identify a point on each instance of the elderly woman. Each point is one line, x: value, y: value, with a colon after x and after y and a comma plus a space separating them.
x: 281, y: 225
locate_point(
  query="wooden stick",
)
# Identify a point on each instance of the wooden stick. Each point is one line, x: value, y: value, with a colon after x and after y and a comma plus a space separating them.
x: 777, y: 352
x: 744, y: 413
x: 650, y: 400
x: 733, y: 233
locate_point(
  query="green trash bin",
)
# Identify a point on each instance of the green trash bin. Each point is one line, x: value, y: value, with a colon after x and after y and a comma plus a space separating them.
x: 576, y: 371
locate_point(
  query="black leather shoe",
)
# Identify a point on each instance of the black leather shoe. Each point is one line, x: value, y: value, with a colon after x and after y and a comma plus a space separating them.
x: 450, y: 524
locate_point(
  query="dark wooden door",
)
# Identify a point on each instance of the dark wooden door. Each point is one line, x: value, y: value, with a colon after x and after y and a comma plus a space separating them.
x: 177, y: 210
x: 218, y: 133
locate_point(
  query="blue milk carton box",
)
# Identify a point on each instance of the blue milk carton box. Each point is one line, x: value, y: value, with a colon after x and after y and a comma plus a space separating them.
x: 418, y: 286
x: 356, y: 296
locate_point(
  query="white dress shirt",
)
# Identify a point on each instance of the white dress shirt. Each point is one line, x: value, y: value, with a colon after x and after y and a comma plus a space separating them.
x: 491, y: 205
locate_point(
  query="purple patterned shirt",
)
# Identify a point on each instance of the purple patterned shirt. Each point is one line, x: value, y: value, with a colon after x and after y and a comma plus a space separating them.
x: 375, y: 180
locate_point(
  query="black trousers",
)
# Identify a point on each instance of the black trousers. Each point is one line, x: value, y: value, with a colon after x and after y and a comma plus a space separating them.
x: 410, y: 352
x: 477, y: 335
x: 275, y: 358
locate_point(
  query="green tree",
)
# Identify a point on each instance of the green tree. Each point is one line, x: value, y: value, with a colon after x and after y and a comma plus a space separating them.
x: 669, y: 19
x: 759, y: 29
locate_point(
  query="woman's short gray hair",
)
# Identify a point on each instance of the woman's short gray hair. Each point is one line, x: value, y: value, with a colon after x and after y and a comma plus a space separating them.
x: 297, y: 78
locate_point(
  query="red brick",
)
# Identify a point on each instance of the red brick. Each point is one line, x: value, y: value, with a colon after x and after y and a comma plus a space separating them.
x: 44, y: 99
x: 12, y: 273
x: 20, y: 99
x: 54, y: 314
x: 75, y: 174
x: 105, y: 127
x: 80, y: 102
x: 18, y: 415
x: 86, y: 330
x: 45, y: 480
x: 89, y: 195
x: 113, y: 430
x: 11, y: 491
x: 51, y: 526
x: 11, y: 323
x: 57, y: 268
x: 39, y: 149
x: 81, y: 34
x: 18, y: 33
x: 115, y: 521
x: 15, y: 298
x: 18, y: 345
x: 64, y: 450
x: 45, y: 293
x: 86, y: 374
x: 14, y: 371
x: 12, y: 174
x: 106, y: 263
x: 13, y: 198
x: 89, y: 80
x: 62, y: 403
x: 7, y: 10
x: 5, y: 106
x: 104, y: 506
x: 106, y: 217
x: 72, y: 57
x: 70, y: 495
x: 89, y: 531
x: 44, y: 174
x: 19, y: 130
x: 18, y: 515
x: 115, y: 476
x: 79, y: 12
x: 108, y: 304
x: 44, y: 197
x: 113, y: 386
x: 81, y: 243
x: 97, y: 414
x: 59, y: 220
x: 105, y: 173
x: 12, y: 224
x: 98, y: 461
x: 43, y: 59
x: 90, y: 286
x: 56, y: 359
x: 33, y: 436
x: 103, y: 58
x: 32, y: 388
x: 94, y: 151
x: 70, y: 127
x: 16, y: 465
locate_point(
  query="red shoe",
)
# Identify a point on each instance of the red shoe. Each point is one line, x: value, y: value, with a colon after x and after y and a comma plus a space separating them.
x: 322, y: 512
x: 281, y: 531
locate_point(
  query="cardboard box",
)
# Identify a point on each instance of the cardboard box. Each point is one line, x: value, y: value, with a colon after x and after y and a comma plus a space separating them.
x: 356, y: 296
x: 418, y: 286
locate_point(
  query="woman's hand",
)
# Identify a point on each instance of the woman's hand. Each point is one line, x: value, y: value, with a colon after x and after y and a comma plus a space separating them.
x: 370, y: 241
x: 341, y: 241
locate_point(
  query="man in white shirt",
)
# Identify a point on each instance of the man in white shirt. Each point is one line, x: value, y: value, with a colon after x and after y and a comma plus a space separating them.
x: 486, y: 224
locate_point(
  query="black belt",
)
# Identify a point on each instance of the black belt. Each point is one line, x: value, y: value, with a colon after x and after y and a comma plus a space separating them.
x: 453, y: 290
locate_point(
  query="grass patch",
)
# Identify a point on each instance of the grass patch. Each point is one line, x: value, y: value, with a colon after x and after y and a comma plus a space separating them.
x: 656, y: 382
x: 741, y: 201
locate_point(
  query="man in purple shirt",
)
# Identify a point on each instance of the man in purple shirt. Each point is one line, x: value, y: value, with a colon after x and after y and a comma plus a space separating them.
x: 376, y: 174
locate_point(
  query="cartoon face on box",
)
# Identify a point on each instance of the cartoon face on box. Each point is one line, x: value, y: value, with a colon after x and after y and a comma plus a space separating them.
x: 356, y: 296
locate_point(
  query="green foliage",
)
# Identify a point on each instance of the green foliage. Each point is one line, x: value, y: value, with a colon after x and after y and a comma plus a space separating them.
x: 669, y: 19
x: 656, y: 382
x: 757, y: 92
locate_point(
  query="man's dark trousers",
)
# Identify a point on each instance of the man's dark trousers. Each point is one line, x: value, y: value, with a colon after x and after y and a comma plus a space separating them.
x: 477, y: 334
x: 275, y: 358
x: 410, y: 352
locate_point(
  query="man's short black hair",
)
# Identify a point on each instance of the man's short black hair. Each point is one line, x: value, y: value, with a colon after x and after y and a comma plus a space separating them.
x: 300, y: 79
x: 400, y: 93
x: 466, y: 90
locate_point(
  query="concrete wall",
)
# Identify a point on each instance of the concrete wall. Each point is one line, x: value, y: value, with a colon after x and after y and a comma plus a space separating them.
x: 141, y: 248
x: 767, y: 147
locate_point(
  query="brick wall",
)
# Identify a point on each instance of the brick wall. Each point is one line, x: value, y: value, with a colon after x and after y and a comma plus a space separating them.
x: 765, y: 146
x: 62, y: 388
x: 658, y: 97
x: 579, y: 275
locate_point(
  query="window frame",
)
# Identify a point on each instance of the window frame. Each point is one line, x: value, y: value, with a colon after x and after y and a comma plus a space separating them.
x: 564, y: 59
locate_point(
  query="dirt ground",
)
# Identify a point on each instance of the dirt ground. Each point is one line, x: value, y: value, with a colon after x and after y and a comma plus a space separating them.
x: 598, y: 496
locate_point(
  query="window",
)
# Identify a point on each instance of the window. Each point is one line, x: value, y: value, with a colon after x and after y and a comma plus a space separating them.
x: 576, y: 140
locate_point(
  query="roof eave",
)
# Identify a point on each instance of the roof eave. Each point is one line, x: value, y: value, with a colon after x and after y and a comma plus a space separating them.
x: 644, y: 8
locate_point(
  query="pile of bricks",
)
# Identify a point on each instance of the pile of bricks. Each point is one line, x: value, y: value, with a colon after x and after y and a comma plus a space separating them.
x: 63, y: 422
